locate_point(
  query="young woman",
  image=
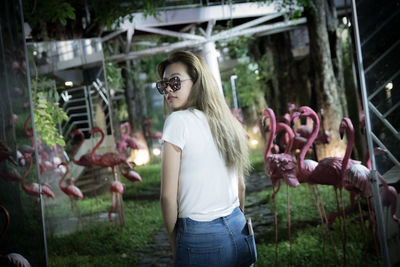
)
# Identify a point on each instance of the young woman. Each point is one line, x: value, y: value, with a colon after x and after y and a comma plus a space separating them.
x: 204, y: 157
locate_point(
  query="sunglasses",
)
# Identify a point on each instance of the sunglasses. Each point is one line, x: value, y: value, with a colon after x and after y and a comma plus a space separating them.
x: 174, y: 83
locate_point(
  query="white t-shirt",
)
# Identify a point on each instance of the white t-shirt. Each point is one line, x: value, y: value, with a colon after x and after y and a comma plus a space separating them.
x: 207, y: 189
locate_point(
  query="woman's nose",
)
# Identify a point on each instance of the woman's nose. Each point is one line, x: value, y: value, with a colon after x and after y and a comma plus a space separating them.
x: 169, y: 89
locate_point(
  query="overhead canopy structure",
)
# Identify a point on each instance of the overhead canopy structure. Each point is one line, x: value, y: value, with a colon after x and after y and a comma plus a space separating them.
x: 195, y: 26
x: 200, y: 26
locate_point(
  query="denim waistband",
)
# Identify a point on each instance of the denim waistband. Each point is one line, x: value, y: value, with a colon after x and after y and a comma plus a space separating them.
x: 189, y: 225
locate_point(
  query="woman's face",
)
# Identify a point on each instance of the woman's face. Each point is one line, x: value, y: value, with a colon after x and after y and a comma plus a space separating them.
x: 178, y: 99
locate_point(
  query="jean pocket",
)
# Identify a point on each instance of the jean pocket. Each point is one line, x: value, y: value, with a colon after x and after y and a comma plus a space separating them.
x: 251, y: 242
x: 205, y: 256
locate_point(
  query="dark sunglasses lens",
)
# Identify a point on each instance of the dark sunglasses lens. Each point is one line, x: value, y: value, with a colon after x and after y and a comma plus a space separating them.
x: 175, y: 83
x: 161, y: 87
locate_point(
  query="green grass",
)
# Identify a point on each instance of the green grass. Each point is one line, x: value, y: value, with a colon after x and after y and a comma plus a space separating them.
x: 311, y: 245
x: 108, y: 244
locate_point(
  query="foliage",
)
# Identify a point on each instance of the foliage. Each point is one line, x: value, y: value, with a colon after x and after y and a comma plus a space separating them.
x: 83, y: 17
x: 114, y: 76
x: 238, y: 48
x: 47, y: 113
x: 55, y: 11
x: 116, y: 84
x: 292, y: 7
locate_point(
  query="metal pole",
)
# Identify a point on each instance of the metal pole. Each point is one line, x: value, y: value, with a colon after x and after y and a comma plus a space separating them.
x: 235, y: 102
x: 374, y: 174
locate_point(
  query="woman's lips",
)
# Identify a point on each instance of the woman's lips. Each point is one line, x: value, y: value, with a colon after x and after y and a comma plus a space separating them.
x: 171, y: 98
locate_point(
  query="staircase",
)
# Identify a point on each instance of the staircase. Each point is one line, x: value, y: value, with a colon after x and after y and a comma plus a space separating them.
x: 86, y: 107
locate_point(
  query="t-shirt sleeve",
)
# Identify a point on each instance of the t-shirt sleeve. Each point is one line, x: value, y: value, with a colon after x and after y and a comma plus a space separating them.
x: 174, y: 130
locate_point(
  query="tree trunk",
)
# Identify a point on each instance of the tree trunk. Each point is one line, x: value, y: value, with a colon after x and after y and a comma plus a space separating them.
x: 335, y: 41
x: 134, y: 98
x: 290, y: 82
x: 324, y: 81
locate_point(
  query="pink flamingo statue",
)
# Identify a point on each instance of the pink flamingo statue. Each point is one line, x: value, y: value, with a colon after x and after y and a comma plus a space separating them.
x: 11, y: 259
x: 86, y: 159
x: 277, y: 166
x: 148, y: 134
x: 356, y: 182
x: 280, y: 126
x: 70, y: 190
x: 131, y: 175
x: 6, y: 153
x: 109, y: 159
x: 126, y: 140
x: 34, y: 188
x: 116, y: 187
x: 389, y: 198
x: 330, y: 171
x: 306, y: 166
x: 388, y: 193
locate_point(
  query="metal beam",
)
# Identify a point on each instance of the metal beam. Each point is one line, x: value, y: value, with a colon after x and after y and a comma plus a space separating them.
x: 112, y: 35
x: 272, y: 28
x: 199, y: 15
x: 170, y: 33
x: 251, y: 23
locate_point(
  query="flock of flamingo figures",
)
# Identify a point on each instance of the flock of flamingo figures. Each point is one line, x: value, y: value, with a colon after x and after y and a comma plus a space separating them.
x: 24, y: 157
x: 339, y: 172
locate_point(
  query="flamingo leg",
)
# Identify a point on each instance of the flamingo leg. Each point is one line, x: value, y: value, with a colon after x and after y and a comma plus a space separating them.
x: 113, y: 206
x: 314, y: 195
x: 344, y: 227
x: 289, y: 233
x: 276, y: 222
x: 326, y: 221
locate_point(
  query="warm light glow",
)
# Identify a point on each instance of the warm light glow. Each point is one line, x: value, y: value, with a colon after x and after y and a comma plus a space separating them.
x: 140, y: 156
x: 254, y: 142
x: 69, y: 83
x: 156, y: 152
x: 34, y: 52
x: 389, y: 86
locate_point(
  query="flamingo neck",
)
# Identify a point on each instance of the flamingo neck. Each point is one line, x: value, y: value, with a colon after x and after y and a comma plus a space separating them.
x: 60, y: 183
x: 271, y: 135
x: 289, y: 131
x: 27, y: 132
x: 349, y: 147
x: 310, y: 140
x: 128, y: 129
x: 97, y: 146
x: 26, y: 174
x: 78, y: 147
x: 368, y: 161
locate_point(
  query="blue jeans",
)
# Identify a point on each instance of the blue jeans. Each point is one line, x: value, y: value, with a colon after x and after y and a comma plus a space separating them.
x: 224, y: 241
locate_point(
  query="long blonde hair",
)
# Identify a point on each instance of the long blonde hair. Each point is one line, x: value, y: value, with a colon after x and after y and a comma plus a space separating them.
x: 228, y: 133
